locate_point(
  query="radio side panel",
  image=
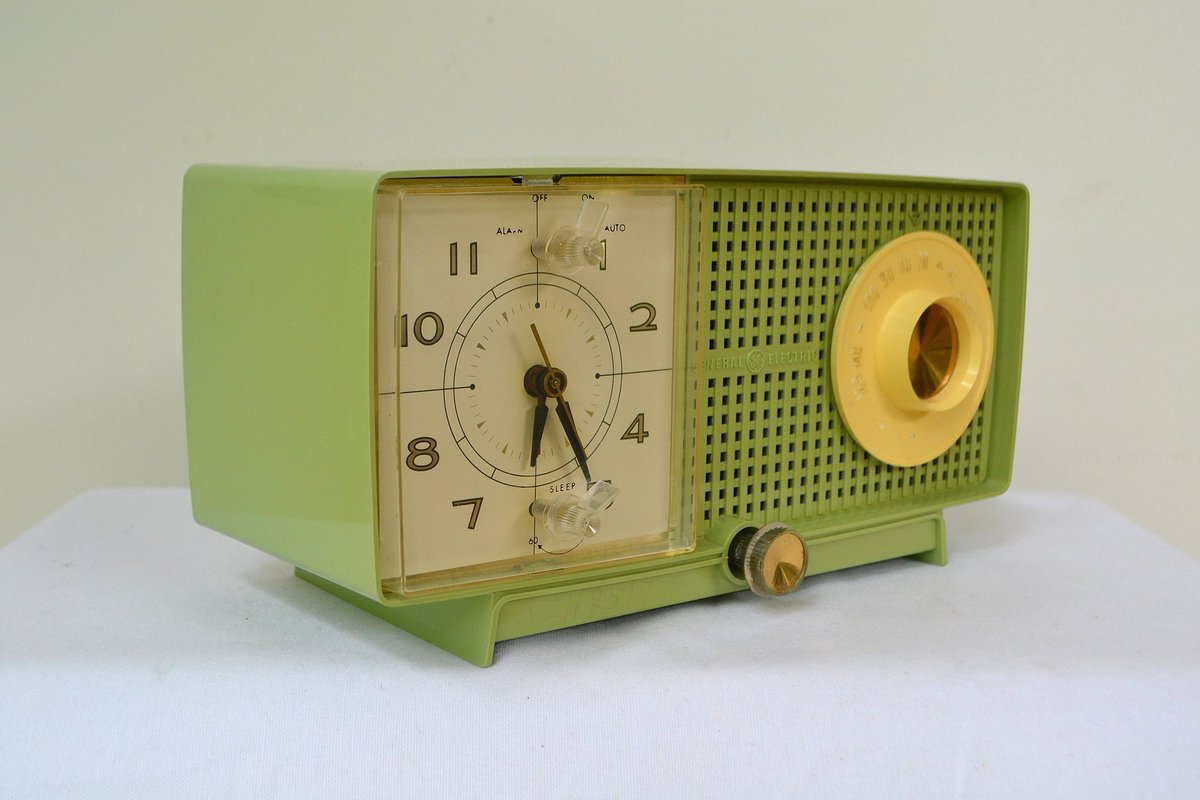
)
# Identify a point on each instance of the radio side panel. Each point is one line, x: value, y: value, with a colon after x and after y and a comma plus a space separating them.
x: 278, y: 304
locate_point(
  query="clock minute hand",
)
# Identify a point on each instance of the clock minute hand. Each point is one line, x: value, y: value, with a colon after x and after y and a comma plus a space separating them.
x: 555, y: 386
x: 563, y: 409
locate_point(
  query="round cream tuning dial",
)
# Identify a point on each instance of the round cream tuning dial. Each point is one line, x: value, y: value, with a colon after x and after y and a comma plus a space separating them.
x: 912, y: 348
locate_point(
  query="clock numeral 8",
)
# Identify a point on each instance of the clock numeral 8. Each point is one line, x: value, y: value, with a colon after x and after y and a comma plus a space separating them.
x: 422, y: 454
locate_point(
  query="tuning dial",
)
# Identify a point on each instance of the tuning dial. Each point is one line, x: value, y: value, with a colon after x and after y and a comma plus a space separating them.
x: 773, y: 560
x: 912, y: 348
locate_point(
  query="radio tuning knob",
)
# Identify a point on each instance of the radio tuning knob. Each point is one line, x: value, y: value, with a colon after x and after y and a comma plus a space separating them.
x: 574, y: 246
x: 773, y: 560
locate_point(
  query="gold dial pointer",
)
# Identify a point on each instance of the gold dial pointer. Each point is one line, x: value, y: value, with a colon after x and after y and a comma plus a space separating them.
x: 541, y: 346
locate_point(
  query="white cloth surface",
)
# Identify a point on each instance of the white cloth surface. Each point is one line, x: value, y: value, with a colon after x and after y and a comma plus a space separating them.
x: 1058, y: 655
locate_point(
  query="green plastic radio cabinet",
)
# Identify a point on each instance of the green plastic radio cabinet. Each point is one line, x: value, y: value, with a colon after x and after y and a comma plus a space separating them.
x: 482, y: 405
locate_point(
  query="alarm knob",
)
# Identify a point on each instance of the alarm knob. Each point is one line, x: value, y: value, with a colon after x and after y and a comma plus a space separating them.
x: 775, y: 560
x: 572, y: 247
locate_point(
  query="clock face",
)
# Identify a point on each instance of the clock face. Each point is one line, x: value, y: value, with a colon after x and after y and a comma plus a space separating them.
x: 539, y: 344
x: 490, y: 355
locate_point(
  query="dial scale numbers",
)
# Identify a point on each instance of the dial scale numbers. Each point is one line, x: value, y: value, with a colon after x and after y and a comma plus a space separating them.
x: 537, y: 339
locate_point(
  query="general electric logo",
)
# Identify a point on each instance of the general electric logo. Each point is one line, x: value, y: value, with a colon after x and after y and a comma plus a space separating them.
x: 760, y: 359
x: 756, y: 360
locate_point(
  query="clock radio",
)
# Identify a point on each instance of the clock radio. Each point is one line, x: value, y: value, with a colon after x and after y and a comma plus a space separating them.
x: 487, y: 404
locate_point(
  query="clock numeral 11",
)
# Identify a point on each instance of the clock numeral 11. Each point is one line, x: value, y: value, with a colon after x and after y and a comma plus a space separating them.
x: 474, y: 250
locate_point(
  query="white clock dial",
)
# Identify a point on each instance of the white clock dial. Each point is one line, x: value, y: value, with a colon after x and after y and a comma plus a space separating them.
x: 538, y: 349
x: 493, y: 348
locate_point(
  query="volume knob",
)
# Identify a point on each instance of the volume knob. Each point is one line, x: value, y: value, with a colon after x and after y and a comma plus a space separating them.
x: 776, y: 560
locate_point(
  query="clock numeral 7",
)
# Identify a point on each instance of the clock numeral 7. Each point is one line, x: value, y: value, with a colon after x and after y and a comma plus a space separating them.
x: 476, y: 503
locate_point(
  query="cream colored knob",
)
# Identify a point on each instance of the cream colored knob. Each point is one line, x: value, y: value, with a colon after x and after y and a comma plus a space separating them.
x: 776, y: 560
x: 912, y: 348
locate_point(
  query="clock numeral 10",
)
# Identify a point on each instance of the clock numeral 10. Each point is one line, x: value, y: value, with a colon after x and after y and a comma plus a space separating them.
x: 420, y: 330
x: 637, y: 429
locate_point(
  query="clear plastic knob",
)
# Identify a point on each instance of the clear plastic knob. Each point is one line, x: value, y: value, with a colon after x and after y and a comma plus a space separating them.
x: 574, y: 516
x: 776, y: 560
x: 575, y: 246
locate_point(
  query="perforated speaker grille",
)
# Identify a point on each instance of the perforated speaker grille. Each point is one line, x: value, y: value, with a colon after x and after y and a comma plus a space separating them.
x: 772, y: 443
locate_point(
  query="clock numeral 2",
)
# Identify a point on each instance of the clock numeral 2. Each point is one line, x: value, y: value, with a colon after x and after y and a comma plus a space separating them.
x: 637, y: 429
x: 422, y: 454
x: 648, y: 324
x: 474, y: 248
x: 477, y: 503
x: 420, y: 329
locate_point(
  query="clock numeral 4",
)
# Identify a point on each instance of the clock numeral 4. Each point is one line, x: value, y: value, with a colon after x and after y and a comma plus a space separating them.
x: 637, y: 429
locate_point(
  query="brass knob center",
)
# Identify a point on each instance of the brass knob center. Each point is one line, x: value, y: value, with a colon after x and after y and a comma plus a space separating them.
x: 932, y: 351
x: 774, y: 560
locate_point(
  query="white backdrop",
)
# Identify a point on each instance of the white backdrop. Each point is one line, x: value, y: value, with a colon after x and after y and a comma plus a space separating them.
x: 105, y: 105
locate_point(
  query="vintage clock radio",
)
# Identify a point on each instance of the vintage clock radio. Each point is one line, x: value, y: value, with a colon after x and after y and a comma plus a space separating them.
x: 482, y: 405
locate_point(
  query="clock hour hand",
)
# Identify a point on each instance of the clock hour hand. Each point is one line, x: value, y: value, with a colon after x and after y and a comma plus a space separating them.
x: 539, y: 427
x: 535, y: 381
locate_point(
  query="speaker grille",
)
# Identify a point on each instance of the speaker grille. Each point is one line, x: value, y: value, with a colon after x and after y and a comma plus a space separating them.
x: 771, y: 441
